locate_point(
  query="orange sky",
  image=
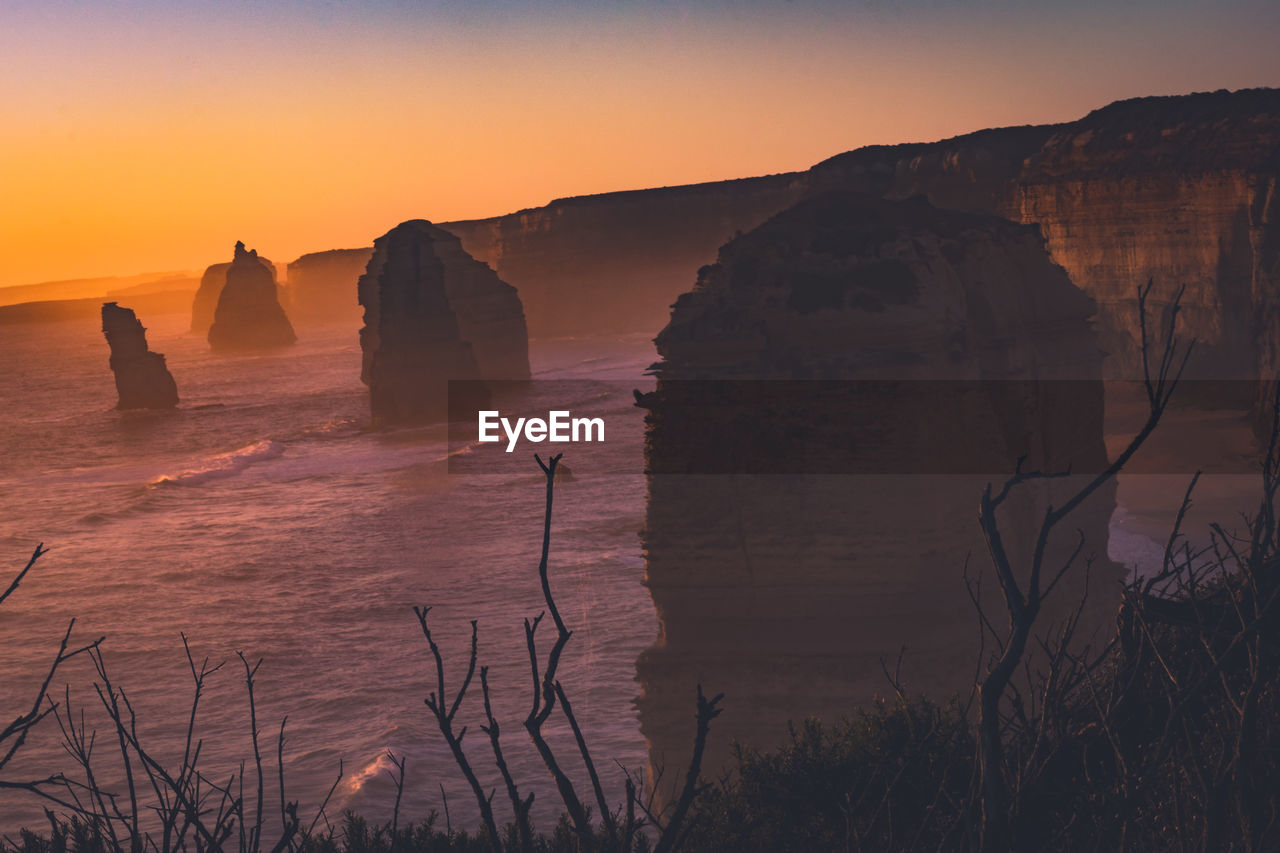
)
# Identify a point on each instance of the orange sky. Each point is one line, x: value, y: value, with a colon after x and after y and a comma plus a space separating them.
x: 152, y: 136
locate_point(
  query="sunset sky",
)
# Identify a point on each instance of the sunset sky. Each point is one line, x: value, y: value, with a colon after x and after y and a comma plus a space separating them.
x: 147, y: 136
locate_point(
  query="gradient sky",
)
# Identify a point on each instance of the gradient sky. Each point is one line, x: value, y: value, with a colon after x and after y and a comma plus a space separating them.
x: 143, y: 136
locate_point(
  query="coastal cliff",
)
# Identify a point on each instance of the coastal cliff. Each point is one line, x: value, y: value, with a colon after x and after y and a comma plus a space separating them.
x: 1175, y: 189
x: 142, y: 379
x: 249, y: 316
x: 322, y: 286
x: 833, y: 395
x: 616, y: 262
x: 432, y: 313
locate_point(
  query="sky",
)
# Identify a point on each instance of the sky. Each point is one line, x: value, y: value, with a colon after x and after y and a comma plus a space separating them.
x: 139, y: 136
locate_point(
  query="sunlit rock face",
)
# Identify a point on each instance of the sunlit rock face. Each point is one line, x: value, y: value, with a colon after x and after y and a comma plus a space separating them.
x: 322, y: 287
x: 433, y: 313
x: 1178, y: 190
x: 832, y: 398
x: 249, y: 316
x: 142, y: 379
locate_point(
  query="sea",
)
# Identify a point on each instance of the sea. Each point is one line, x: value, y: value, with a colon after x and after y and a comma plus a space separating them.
x: 264, y: 517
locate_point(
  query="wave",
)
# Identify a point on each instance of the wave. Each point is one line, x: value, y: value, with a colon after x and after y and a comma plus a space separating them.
x: 223, y: 465
x: 370, y: 771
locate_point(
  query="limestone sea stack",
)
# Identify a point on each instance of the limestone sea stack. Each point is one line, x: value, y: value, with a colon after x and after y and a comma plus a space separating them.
x: 249, y: 316
x: 142, y: 379
x: 834, y: 394
x: 432, y: 313
x: 205, y: 302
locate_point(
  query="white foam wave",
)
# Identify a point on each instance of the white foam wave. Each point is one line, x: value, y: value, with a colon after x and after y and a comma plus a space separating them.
x: 223, y: 465
x: 380, y: 765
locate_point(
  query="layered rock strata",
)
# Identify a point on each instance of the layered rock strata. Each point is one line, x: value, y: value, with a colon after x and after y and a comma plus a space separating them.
x: 432, y: 314
x: 249, y: 316
x: 322, y: 286
x: 833, y: 396
x: 142, y: 379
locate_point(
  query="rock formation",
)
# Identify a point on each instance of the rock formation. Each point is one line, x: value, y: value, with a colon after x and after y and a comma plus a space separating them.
x: 432, y: 313
x: 1175, y: 189
x: 249, y: 316
x: 1178, y: 189
x: 616, y: 262
x: 833, y: 396
x: 322, y: 286
x: 142, y: 380
x: 205, y: 302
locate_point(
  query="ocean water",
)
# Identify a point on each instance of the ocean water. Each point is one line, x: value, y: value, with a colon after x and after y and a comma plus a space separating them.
x: 264, y: 517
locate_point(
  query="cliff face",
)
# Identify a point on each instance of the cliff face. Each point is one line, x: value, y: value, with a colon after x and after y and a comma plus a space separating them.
x: 616, y: 262
x: 322, y: 286
x: 433, y: 313
x: 142, y: 379
x: 1176, y: 189
x: 834, y: 394
x: 1173, y: 189
x: 249, y: 315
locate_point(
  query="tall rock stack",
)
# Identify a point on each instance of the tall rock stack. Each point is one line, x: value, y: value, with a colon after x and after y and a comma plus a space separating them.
x: 833, y: 396
x: 142, y: 379
x: 249, y: 316
x: 205, y: 302
x: 432, y: 313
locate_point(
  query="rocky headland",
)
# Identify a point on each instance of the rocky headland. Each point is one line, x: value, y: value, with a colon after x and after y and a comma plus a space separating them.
x: 142, y: 379
x: 432, y: 314
x: 248, y: 314
x: 832, y: 397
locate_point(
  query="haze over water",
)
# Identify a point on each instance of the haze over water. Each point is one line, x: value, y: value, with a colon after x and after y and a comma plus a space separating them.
x: 262, y: 517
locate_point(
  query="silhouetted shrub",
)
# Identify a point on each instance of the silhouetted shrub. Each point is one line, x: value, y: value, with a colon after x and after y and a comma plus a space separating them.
x: 887, y: 777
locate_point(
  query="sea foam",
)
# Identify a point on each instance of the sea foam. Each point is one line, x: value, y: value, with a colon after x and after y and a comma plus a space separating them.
x: 222, y: 465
